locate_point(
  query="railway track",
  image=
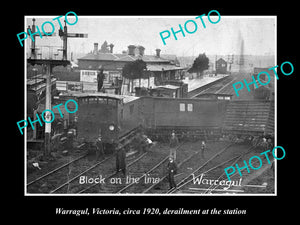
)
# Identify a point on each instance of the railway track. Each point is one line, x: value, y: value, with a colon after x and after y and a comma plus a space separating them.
x: 67, y: 187
x: 137, y: 171
x: 193, y: 158
x: 219, y: 168
x: 140, y: 168
x: 55, y: 170
x: 41, y: 185
x: 213, y: 188
x: 212, y: 164
x: 221, y: 171
x: 141, y: 173
x: 191, y: 174
x: 96, y: 188
x: 157, y: 170
x: 165, y: 176
x: 46, y: 182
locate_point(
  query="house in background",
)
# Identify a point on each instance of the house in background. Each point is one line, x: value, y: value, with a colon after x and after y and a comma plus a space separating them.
x: 221, y: 66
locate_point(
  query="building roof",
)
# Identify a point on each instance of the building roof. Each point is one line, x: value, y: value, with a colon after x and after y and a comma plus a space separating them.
x: 169, y: 56
x: 215, y: 94
x: 154, y: 58
x: 99, y: 56
x: 168, y: 86
x: 126, y: 58
x: 122, y: 57
x: 221, y: 60
x: 124, y: 98
x: 163, y: 67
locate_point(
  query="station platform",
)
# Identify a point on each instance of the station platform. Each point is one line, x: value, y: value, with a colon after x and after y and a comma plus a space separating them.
x: 197, y: 85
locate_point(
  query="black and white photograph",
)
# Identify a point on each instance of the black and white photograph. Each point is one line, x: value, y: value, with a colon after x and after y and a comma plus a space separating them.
x: 148, y: 111
x: 151, y: 105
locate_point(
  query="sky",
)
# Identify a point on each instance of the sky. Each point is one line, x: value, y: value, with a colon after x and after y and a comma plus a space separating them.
x: 222, y: 38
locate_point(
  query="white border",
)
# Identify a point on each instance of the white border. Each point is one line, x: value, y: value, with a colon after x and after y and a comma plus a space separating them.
x: 78, y: 195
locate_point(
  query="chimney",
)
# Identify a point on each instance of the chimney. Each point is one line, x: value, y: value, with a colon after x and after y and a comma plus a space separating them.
x: 141, y: 50
x: 131, y: 49
x: 95, y: 52
x: 111, y: 48
x: 157, y: 52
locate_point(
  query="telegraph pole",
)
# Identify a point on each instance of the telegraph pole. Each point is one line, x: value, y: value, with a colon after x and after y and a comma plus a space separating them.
x: 48, y: 116
x: 48, y: 64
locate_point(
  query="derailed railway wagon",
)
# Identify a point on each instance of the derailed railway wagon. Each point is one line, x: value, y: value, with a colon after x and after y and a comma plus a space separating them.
x: 109, y: 116
x: 254, y: 118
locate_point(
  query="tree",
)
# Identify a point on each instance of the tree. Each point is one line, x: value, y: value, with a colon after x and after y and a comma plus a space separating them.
x: 200, y: 64
x: 104, y: 48
x: 134, y: 70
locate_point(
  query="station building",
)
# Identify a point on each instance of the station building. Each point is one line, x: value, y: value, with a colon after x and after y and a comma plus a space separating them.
x: 159, y: 68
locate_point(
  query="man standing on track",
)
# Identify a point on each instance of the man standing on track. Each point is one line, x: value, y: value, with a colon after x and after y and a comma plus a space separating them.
x: 99, y: 147
x: 203, y: 147
x: 120, y: 160
x: 172, y: 170
x: 173, y: 145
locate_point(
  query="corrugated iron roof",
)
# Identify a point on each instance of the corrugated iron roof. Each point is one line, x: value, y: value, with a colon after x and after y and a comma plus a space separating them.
x: 163, y: 67
x: 168, y: 86
x: 122, y: 57
x: 126, y: 58
x: 99, y: 56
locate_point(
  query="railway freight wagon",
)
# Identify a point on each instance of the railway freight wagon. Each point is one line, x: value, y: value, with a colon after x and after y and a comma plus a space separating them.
x: 254, y: 118
x: 206, y: 118
x: 108, y: 115
x: 195, y: 118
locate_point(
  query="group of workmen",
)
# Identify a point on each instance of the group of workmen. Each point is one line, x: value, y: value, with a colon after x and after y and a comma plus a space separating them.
x: 143, y: 144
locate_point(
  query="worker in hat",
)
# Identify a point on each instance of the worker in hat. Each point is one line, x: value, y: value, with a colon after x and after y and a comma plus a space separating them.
x: 121, y: 160
x: 172, y: 170
x: 70, y: 139
x: 173, y: 145
x: 203, y: 147
x: 99, y: 147
x: 264, y: 143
